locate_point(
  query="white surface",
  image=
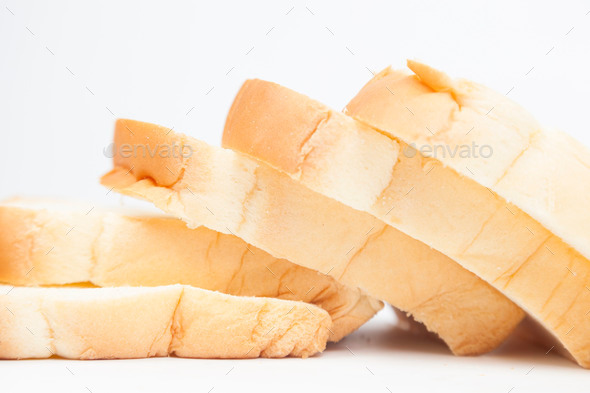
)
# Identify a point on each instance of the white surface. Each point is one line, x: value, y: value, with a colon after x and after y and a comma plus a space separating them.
x: 63, y: 63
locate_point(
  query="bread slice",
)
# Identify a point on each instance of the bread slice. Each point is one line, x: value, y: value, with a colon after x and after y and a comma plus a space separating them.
x: 422, y: 198
x: 48, y: 242
x: 545, y: 173
x: 232, y: 193
x: 134, y: 322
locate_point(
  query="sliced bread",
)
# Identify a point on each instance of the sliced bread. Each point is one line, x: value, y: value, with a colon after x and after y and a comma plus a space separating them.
x: 545, y: 173
x: 49, y: 242
x: 421, y: 197
x: 232, y: 193
x: 132, y: 322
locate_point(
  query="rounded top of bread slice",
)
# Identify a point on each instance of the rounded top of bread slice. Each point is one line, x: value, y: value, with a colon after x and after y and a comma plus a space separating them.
x: 545, y: 173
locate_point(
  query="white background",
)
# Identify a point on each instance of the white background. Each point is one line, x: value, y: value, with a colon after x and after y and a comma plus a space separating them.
x: 69, y: 68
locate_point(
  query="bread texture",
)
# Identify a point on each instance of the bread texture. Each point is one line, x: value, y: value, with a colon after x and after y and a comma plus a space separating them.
x: 233, y: 193
x: 426, y: 200
x: 545, y: 173
x: 49, y: 242
x: 132, y: 322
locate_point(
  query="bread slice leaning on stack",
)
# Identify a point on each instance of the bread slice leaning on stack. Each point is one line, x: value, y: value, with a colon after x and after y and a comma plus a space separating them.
x: 545, y: 173
x: 533, y: 186
x: 422, y: 198
x: 131, y: 322
x: 49, y: 242
x: 232, y: 193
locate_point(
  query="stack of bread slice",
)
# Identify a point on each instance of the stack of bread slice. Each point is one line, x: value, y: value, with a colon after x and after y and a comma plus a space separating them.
x: 85, y: 283
x: 230, y: 192
x: 516, y: 218
x: 316, y: 216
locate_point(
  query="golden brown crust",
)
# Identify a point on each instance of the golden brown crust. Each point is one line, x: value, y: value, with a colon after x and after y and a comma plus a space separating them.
x: 287, y: 219
x: 108, y: 323
x: 45, y: 244
x: 292, y: 136
x: 138, y: 142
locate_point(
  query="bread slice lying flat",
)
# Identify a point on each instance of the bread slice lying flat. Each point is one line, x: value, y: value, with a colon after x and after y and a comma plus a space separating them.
x: 131, y: 322
x: 424, y: 199
x: 545, y: 173
x: 232, y: 193
x: 47, y: 242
